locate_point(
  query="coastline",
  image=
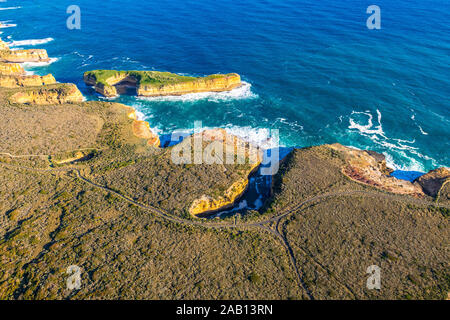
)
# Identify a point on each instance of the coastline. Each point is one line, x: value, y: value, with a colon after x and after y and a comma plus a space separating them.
x: 141, y: 128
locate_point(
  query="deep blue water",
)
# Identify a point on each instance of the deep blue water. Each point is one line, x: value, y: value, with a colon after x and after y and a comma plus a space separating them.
x: 314, y: 70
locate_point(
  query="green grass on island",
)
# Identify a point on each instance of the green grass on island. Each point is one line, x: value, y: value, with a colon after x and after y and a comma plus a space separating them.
x: 155, y: 78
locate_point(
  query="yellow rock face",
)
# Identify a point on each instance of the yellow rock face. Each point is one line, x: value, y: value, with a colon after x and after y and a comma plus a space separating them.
x: 201, y: 85
x: 20, y: 56
x: 231, y: 145
x: 25, y: 81
x: 3, y: 45
x: 141, y: 129
x: 118, y: 84
x: 11, y: 69
x: 46, y: 96
x: 208, y: 204
x: 79, y: 155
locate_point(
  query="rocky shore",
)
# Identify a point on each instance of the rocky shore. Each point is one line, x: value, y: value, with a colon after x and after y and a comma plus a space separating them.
x: 365, y: 167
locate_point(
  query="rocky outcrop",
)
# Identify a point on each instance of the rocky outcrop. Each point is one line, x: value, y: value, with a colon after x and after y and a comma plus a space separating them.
x: 370, y: 168
x: 110, y: 83
x: 25, y: 81
x: 13, y: 69
x: 3, y: 45
x: 141, y: 129
x: 231, y: 146
x: 20, y: 56
x: 46, y: 95
x: 212, y: 84
x: 433, y: 181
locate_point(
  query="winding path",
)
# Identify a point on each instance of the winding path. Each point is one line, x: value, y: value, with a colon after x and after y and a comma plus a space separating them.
x: 262, y: 225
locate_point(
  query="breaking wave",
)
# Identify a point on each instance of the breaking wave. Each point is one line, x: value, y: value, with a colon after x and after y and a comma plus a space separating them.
x: 242, y: 92
x: 401, y: 154
x: 31, y: 42
x: 40, y: 64
x: 9, y: 8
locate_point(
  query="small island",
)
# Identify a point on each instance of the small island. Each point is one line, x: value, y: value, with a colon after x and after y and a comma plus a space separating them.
x: 111, y: 83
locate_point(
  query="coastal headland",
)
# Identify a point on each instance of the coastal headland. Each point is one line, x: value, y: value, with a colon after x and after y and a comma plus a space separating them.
x: 87, y: 183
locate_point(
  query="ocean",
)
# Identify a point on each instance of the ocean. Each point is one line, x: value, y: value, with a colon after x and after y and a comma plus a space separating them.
x: 312, y: 69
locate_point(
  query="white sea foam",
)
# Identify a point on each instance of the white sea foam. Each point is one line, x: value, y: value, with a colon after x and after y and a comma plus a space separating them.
x: 40, y: 64
x: 140, y: 116
x: 409, y: 164
x: 8, y: 25
x: 421, y: 131
x: 9, y: 8
x: 242, y: 92
x: 31, y: 42
x: 402, y: 148
x: 260, y: 137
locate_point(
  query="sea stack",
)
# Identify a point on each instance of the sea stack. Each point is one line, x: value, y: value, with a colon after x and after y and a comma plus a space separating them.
x: 111, y: 83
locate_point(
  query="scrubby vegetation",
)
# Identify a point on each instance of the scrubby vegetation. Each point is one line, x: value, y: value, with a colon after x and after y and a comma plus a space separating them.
x: 51, y: 218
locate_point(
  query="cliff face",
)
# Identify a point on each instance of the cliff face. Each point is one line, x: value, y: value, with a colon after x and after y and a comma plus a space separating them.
x: 141, y: 129
x: 231, y: 145
x: 111, y: 83
x: 225, y: 83
x: 25, y: 81
x: 433, y: 181
x: 65, y: 93
x: 11, y: 69
x: 370, y: 168
x: 20, y: 56
x: 3, y: 45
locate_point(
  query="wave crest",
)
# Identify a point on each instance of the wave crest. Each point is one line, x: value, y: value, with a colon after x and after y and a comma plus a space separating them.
x: 242, y: 92
x: 31, y: 42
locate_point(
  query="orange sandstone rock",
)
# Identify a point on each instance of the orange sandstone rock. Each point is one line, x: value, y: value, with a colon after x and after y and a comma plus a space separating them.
x: 11, y: 69
x: 25, y: 81
x: 20, y: 56
x: 66, y: 93
x: 141, y: 129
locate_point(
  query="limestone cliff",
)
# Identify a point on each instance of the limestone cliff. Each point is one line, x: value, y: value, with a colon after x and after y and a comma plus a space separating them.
x: 141, y: 129
x: 56, y: 94
x: 11, y: 69
x: 213, y: 84
x: 20, y: 56
x: 25, y: 81
x: 3, y: 45
x: 111, y: 83
x: 232, y: 146
x: 370, y: 168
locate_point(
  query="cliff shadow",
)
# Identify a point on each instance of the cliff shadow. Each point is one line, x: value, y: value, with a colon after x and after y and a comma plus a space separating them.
x: 127, y: 86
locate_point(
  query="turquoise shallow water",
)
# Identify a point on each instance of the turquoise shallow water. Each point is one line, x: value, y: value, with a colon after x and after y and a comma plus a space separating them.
x: 313, y: 70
